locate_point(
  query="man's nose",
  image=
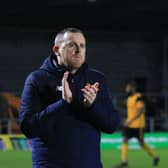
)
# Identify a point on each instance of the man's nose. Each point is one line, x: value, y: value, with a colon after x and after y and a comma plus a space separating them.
x: 77, y: 48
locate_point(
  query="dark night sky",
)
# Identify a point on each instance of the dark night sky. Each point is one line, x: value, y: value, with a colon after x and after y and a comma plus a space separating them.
x: 133, y: 15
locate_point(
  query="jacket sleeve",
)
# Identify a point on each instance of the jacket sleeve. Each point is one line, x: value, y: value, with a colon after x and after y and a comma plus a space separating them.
x: 103, y: 113
x: 32, y: 116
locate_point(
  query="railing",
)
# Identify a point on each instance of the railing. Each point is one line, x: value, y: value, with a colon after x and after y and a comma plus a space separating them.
x: 152, y: 125
x: 156, y: 125
x: 9, y: 127
x: 156, y: 119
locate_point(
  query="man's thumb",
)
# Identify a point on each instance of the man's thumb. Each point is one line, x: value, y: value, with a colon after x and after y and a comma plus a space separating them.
x: 96, y: 84
x: 65, y: 77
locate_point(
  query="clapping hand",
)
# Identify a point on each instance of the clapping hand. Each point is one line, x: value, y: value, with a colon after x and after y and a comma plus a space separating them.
x: 90, y: 93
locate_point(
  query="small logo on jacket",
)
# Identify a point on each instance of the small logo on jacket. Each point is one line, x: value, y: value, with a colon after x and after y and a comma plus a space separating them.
x: 59, y: 88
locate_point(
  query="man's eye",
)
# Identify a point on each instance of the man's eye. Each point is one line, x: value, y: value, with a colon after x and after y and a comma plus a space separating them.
x: 82, y: 45
x: 71, y: 44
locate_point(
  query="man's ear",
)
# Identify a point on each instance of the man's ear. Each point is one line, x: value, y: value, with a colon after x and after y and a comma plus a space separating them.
x: 55, y: 49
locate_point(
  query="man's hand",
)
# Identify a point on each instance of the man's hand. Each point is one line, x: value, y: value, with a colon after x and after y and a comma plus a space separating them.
x: 127, y: 123
x: 90, y: 93
x: 66, y: 92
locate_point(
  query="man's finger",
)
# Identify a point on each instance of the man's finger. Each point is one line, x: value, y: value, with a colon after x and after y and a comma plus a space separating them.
x: 64, y: 80
x: 87, y: 92
x: 65, y: 77
x: 87, y: 98
x: 91, y: 90
x: 96, y: 84
x: 95, y: 87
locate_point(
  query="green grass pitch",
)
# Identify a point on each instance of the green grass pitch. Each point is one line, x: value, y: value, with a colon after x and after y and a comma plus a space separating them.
x: 137, y: 159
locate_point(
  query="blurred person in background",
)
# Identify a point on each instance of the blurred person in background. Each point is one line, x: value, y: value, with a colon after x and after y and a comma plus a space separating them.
x: 65, y: 105
x: 3, y: 114
x: 135, y: 124
x: 9, y: 111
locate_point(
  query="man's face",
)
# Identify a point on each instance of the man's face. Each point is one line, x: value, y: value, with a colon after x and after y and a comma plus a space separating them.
x: 129, y: 89
x: 72, y: 50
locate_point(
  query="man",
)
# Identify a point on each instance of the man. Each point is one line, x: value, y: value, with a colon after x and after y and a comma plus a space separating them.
x: 64, y: 107
x: 135, y: 123
x: 4, y: 106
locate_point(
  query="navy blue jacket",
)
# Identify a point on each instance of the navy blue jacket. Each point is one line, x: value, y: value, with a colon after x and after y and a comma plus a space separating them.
x: 66, y: 135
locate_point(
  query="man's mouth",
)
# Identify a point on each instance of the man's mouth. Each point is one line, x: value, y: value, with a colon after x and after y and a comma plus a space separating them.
x: 77, y: 56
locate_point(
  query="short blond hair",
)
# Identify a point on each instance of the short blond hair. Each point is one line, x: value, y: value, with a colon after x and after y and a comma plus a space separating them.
x: 60, y: 34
